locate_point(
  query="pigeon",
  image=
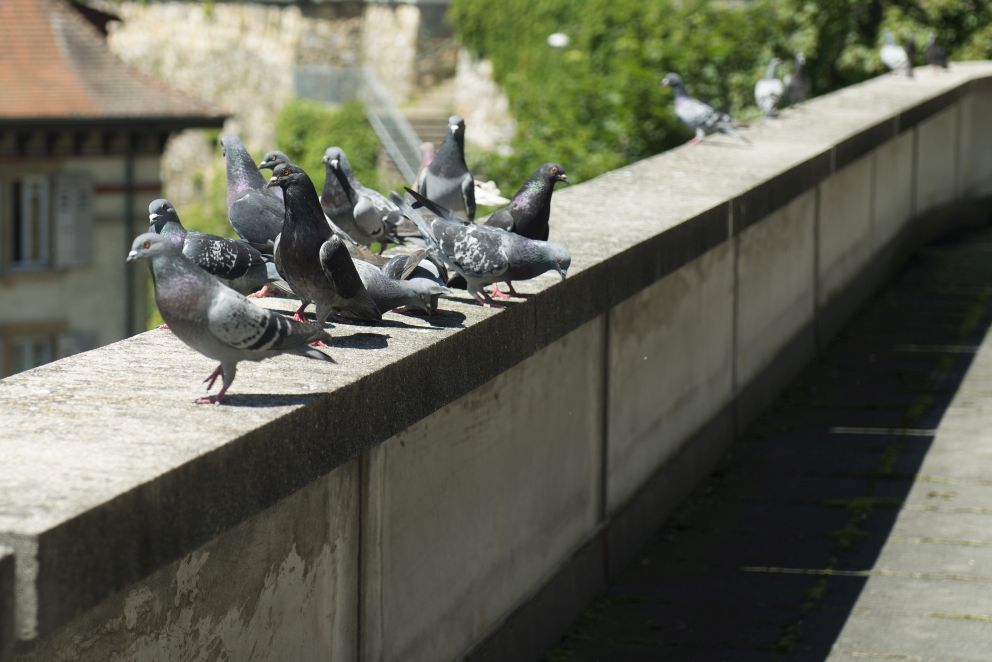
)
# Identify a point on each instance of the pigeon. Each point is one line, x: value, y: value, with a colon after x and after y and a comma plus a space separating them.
x: 255, y: 213
x: 340, y: 201
x: 797, y: 84
x: 419, y: 265
x: 372, y: 211
x: 272, y: 159
x: 390, y: 293
x: 698, y: 116
x: 894, y: 56
x: 936, y: 57
x: 216, y: 321
x: 482, y: 254
x: 314, y: 260
x: 910, y: 46
x: 769, y: 90
x: 235, y: 262
x: 446, y: 179
x: 528, y: 212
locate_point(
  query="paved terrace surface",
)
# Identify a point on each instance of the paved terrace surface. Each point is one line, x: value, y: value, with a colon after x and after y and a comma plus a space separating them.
x: 854, y: 520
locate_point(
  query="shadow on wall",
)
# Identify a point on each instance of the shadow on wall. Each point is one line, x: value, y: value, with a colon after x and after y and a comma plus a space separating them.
x: 771, y: 554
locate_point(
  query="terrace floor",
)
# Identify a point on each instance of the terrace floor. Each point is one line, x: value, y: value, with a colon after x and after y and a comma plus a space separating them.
x: 854, y: 519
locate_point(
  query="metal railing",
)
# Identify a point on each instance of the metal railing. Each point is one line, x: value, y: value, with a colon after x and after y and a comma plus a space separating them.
x: 399, y: 139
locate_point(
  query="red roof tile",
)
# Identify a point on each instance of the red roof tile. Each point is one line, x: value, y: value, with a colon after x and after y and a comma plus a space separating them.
x: 55, y: 64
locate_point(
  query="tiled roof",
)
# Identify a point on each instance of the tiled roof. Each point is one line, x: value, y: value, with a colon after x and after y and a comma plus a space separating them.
x: 55, y: 64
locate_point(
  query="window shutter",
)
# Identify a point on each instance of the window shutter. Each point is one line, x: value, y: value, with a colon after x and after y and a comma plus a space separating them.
x: 35, y: 220
x: 73, y: 219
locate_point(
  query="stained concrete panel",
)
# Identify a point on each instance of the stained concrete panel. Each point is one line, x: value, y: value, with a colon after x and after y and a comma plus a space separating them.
x: 280, y: 586
x: 975, y: 174
x: 936, y: 163
x: 670, y: 367
x: 775, y: 284
x: 470, y: 509
x: 844, y: 241
x: 892, y: 203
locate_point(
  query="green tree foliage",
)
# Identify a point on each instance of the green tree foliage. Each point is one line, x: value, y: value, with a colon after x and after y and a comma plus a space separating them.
x: 597, y: 104
x: 304, y: 129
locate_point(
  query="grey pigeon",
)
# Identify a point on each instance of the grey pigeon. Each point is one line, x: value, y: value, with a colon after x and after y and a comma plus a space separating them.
x: 446, y: 180
x: 272, y: 159
x: 910, y: 46
x: 255, y: 213
x: 797, y: 84
x: 894, y: 56
x: 936, y: 57
x: 216, y: 321
x: 481, y: 254
x: 372, y: 212
x: 419, y: 265
x: 314, y: 260
x: 340, y: 199
x: 698, y: 116
x: 769, y: 90
x: 389, y: 293
x: 235, y: 262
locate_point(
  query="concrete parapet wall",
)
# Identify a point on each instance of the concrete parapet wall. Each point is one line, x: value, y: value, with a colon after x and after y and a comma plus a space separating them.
x: 464, y: 491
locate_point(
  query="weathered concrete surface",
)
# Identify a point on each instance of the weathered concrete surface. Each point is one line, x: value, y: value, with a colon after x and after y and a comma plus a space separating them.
x: 113, y: 474
x: 281, y: 586
x: 850, y: 522
x: 892, y: 199
x: 670, y: 367
x: 937, y: 162
x: 470, y: 509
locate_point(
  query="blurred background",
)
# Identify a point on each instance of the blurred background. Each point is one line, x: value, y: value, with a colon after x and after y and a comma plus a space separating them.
x: 107, y: 105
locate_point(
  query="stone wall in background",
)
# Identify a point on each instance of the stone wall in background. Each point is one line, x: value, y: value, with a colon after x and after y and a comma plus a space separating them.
x: 483, y: 104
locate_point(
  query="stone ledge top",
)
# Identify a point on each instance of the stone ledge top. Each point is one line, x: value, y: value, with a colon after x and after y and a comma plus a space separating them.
x: 110, y: 471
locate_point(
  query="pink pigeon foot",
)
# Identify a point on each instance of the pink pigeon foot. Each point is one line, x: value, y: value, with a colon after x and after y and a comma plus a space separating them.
x: 499, y: 294
x: 298, y: 315
x: 209, y: 400
x: 319, y: 343
x: 266, y: 291
x: 695, y: 141
x: 218, y: 372
x: 164, y: 326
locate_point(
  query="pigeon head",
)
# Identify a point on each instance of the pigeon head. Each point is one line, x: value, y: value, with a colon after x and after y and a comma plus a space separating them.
x: 272, y: 159
x: 560, y: 257
x: 230, y: 143
x: 456, y: 125
x: 285, y: 175
x: 335, y: 159
x: 553, y: 172
x: 425, y: 291
x: 674, y: 81
x: 150, y: 245
x: 161, y: 211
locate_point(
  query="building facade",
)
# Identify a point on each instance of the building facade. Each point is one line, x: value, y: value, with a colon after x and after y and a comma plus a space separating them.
x: 81, y: 137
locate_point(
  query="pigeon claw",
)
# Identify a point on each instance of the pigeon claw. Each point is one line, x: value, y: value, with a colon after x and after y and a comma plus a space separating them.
x: 209, y: 381
x: 499, y: 294
x: 266, y: 291
x: 319, y: 344
x: 164, y: 326
x: 209, y: 400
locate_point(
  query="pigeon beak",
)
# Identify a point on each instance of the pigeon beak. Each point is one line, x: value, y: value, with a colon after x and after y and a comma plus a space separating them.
x: 453, y: 128
x: 132, y: 256
x: 563, y: 178
x: 272, y: 182
x: 262, y: 166
x: 561, y: 272
x: 335, y: 163
x: 153, y: 217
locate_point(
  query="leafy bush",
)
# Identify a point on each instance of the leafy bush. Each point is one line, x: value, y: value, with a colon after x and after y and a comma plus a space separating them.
x: 597, y: 103
x: 304, y: 129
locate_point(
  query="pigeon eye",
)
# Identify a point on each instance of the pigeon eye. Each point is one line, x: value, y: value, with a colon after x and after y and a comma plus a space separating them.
x: 147, y: 244
x: 554, y: 170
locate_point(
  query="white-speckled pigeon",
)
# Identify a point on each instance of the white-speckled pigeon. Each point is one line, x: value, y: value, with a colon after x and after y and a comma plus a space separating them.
x: 314, y: 260
x: 698, y: 116
x: 421, y: 266
x: 216, y: 321
x: 482, y: 254
x: 936, y: 57
x: 255, y: 213
x: 797, y: 83
x: 894, y: 56
x: 769, y: 90
x: 446, y: 180
x: 389, y: 293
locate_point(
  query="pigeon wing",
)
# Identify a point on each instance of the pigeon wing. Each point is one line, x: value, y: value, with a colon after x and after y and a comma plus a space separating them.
x: 468, y: 194
x: 694, y: 113
x: 336, y: 263
x: 476, y: 250
x: 239, y: 324
x: 221, y: 257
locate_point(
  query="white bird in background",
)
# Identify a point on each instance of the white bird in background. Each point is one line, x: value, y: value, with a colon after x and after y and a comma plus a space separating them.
x: 768, y: 91
x: 894, y: 56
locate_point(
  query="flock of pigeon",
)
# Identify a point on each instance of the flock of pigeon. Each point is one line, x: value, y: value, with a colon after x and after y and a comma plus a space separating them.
x: 318, y: 250
x: 770, y: 92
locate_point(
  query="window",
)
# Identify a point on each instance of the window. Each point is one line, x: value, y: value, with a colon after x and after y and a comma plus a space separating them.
x: 31, y: 221
x: 30, y: 352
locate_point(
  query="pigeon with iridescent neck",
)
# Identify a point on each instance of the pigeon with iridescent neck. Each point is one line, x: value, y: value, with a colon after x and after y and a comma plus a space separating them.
x: 255, y: 213
x: 216, y: 321
x: 446, y: 180
x: 237, y: 263
x: 314, y: 260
